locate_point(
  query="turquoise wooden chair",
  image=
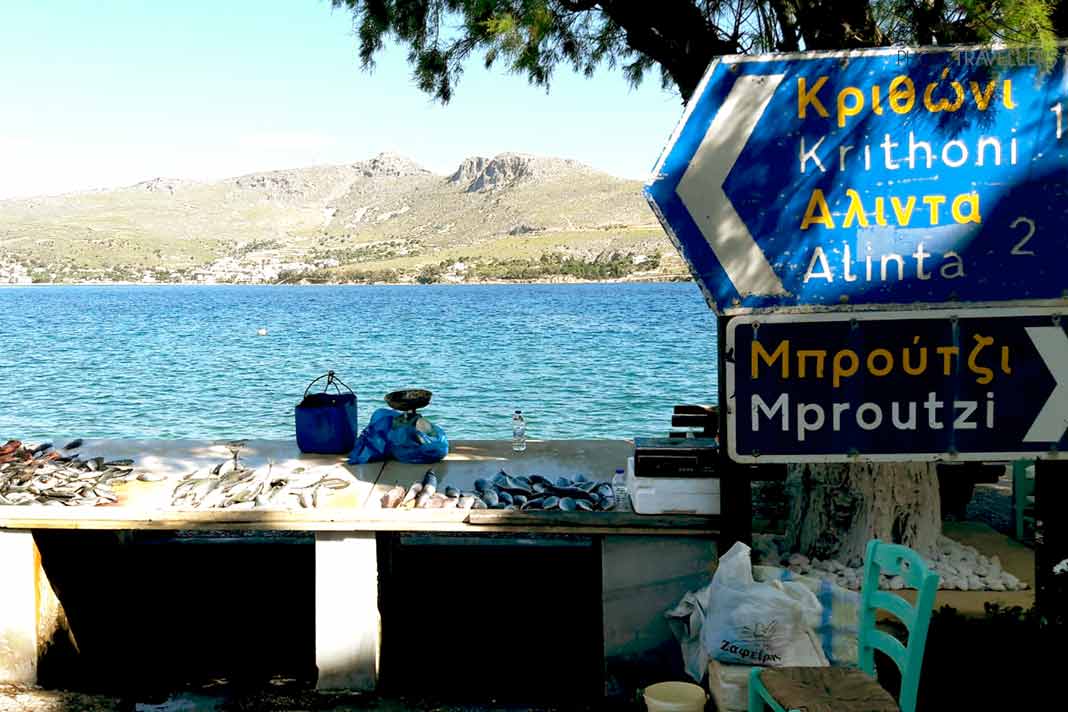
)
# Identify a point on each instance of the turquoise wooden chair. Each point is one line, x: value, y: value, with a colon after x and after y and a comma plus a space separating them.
x: 824, y: 688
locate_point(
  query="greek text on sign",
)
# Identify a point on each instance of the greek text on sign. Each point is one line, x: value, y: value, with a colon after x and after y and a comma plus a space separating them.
x: 872, y: 177
x: 970, y: 384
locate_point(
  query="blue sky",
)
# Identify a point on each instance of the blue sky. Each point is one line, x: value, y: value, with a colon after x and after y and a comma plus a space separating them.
x: 111, y: 92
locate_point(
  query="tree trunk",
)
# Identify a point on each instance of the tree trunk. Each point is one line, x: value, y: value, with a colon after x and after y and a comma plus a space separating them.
x: 837, y: 24
x: 785, y: 12
x: 927, y: 21
x: 1059, y: 18
x: 835, y: 509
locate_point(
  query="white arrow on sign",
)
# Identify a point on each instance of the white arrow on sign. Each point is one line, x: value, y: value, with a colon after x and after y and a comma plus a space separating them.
x: 1052, y: 420
x: 701, y: 187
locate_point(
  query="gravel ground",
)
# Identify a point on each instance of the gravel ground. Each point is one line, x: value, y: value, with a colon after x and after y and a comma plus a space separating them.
x: 13, y: 699
x: 19, y: 699
x: 992, y: 504
x: 994, y: 507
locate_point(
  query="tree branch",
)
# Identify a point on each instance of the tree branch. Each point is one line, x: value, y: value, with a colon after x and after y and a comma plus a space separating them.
x: 578, y: 5
x: 673, y: 33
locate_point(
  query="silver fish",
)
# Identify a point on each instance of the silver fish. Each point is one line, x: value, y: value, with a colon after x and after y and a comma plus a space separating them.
x: 40, y: 476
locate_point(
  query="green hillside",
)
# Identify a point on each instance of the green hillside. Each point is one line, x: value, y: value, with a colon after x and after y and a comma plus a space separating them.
x: 511, y: 217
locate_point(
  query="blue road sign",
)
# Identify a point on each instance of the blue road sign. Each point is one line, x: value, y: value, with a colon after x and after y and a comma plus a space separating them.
x: 882, y: 177
x: 970, y: 384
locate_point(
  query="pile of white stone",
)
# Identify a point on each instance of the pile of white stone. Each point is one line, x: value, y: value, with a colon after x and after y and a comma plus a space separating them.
x: 959, y: 567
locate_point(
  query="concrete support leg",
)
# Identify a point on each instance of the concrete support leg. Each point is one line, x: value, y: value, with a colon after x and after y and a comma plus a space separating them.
x: 642, y: 577
x: 19, y: 566
x: 347, y: 622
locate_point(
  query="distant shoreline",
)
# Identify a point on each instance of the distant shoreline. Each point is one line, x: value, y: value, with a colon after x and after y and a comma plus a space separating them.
x: 668, y: 279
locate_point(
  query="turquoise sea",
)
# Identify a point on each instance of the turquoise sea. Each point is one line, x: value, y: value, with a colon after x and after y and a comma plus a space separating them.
x: 598, y: 360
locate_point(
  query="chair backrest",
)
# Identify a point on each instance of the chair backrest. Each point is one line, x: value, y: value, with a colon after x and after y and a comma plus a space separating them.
x: 896, y: 560
x: 1023, y: 486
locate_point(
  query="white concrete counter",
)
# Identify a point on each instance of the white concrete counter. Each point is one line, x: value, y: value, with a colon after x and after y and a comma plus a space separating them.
x: 147, y: 505
x: 647, y: 562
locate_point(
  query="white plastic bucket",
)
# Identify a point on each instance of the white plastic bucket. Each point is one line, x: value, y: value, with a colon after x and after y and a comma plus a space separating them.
x: 675, y: 697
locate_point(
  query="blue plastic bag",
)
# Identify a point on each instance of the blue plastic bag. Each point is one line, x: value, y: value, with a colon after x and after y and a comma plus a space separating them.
x: 393, y: 434
x: 840, y: 618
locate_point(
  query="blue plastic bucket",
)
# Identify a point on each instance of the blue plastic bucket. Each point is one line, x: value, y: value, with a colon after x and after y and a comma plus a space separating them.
x: 326, y: 422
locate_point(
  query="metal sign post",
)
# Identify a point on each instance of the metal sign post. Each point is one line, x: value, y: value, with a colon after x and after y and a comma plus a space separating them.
x: 1051, y: 540
x: 736, y: 486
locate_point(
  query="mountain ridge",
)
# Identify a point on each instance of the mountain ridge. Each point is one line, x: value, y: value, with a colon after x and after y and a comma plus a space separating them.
x: 387, y: 218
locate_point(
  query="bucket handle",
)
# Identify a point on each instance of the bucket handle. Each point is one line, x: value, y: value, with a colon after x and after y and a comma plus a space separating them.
x: 331, y: 380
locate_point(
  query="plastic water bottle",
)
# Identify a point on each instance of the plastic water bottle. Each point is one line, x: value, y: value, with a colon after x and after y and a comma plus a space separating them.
x: 519, y: 432
x: 619, y: 487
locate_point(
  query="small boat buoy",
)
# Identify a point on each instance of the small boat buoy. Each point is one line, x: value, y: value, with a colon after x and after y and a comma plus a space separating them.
x: 262, y: 331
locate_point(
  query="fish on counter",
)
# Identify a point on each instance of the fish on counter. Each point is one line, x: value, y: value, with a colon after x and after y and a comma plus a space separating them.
x: 393, y: 497
x: 418, y: 495
x: 229, y: 485
x: 45, y: 476
x: 502, y: 491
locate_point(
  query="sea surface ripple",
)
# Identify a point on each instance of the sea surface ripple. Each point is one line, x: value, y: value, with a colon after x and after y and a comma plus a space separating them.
x: 581, y: 361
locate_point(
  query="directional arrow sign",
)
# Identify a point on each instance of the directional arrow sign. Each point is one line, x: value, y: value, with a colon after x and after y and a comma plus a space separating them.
x: 1052, y: 420
x: 882, y: 177
x: 701, y: 186
x: 970, y: 384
